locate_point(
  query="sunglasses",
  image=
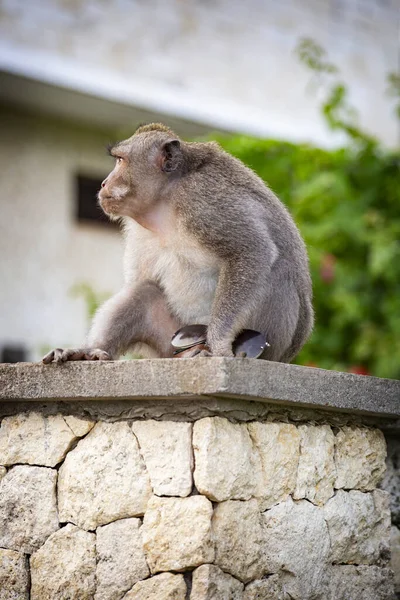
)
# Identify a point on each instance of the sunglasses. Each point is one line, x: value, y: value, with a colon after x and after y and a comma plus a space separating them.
x: 248, y: 344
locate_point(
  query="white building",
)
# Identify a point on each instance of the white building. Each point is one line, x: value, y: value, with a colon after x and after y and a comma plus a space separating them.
x: 76, y: 74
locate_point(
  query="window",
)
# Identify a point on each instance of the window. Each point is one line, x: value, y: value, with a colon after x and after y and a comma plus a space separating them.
x: 87, y: 208
x: 13, y: 354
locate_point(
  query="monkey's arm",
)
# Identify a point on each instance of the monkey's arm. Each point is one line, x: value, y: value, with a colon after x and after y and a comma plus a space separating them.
x: 242, y: 287
x: 135, y: 314
x: 237, y: 296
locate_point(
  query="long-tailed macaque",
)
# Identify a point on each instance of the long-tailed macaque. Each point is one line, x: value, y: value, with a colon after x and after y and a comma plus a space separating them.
x: 206, y: 241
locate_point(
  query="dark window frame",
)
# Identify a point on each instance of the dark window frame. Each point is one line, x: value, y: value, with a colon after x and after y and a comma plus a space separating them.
x: 87, y: 209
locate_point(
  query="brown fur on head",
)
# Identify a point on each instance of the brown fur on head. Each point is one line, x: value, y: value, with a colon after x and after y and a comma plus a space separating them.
x: 144, y: 163
x: 154, y: 127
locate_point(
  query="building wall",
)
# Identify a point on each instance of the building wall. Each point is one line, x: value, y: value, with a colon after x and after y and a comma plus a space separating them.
x: 44, y: 251
x: 225, y: 62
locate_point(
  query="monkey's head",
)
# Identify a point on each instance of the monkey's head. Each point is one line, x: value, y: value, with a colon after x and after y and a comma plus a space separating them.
x: 144, y: 164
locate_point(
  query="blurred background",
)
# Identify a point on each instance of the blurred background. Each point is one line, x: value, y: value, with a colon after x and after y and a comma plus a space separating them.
x: 306, y: 92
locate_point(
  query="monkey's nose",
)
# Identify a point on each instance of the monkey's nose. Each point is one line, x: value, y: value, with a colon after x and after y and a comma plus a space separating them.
x: 103, y: 183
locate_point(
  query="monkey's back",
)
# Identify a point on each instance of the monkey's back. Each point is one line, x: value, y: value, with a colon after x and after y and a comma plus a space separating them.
x: 249, y: 218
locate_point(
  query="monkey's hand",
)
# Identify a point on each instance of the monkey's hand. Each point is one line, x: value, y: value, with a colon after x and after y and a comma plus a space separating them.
x: 58, y: 355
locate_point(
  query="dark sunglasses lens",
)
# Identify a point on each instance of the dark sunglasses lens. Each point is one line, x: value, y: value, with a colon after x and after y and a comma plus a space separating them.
x: 250, y: 344
x: 189, y: 335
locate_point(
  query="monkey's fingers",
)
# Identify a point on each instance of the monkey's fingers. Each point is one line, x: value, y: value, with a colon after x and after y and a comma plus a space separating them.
x: 197, y: 353
x: 202, y: 354
x: 48, y: 358
x: 96, y: 354
x: 59, y: 355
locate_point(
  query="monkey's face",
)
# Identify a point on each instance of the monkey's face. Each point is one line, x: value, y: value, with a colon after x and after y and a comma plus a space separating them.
x: 143, y: 166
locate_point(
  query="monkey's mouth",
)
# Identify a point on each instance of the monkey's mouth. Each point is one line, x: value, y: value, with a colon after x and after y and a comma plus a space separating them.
x: 110, y: 205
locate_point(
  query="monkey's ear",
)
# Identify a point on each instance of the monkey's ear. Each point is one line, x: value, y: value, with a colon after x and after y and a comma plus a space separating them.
x: 170, y: 156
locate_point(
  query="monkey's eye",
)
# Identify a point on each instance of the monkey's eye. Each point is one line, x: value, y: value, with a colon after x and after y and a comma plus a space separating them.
x: 118, y: 160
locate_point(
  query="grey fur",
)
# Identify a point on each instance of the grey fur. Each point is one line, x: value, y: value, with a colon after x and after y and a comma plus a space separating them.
x: 206, y: 241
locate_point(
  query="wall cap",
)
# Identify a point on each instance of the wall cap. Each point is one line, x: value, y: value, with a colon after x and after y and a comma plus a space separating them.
x: 178, y: 380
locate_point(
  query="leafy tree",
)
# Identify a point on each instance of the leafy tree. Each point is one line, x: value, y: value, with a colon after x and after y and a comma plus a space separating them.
x: 346, y: 203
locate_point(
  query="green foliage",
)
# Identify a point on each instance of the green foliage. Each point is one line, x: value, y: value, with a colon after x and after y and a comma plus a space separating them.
x: 346, y: 203
x: 91, y: 297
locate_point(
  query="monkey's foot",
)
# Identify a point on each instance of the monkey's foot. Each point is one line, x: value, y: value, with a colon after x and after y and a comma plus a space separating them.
x: 58, y: 355
x: 197, y: 353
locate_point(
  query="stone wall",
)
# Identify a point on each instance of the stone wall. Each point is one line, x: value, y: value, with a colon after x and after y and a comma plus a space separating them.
x: 211, y: 509
x: 391, y: 483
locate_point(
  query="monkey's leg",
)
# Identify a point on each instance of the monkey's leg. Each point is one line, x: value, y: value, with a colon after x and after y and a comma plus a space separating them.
x: 133, y: 315
x: 285, y: 317
x: 253, y: 297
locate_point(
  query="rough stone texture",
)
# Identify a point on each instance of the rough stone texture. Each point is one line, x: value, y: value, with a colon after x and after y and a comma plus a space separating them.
x: 239, y: 539
x: 265, y: 589
x: 14, y: 575
x: 395, y: 557
x: 80, y: 427
x: 297, y: 540
x: 290, y: 386
x: 391, y: 480
x: 34, y: 439
x: 3, y: 471
x: 177, y: 533
x: 359, y: 526
x: 104, y: 478
x: 210, y: 583
x: 120, y: 558
x: 167, y: 450
x: 225, y: 466
x: 348, y: 582
x: 286, y: 551
x: 277, y: 445
x: 65, y: 567
x: 161, y: 587
x: 360, y: 458
x: 316, y: 472
x: 28, y: 512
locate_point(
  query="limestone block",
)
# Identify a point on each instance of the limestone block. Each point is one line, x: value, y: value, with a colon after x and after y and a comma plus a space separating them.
x: 210, y: 583
x: 120, y: 558
x: 265, y: 589
x: 31, y: 438
x: 28, y: 511
x: 360, y: 458
x: 166, y: 447
x: 391, y: 480
x: 161, y: 587
x: 278, y: 447
x: 104, y: 478
x: 239, y: 539
x: 316, y: 471
x: 359, y: 526
x: 80, y: 427
x: 226, y: 468
x: 348, y: 582
x: 177, y: 533
x: 395, y: 557
x: 14, y: 575
x: 297, y: 541
x: 65, y: 566
x: 3, y: 471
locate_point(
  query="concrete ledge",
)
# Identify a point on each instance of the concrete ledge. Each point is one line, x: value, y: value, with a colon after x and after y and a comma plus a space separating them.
x: 262, y: 386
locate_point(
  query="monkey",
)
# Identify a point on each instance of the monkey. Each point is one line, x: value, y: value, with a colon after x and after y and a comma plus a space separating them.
x: 206, y: 242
